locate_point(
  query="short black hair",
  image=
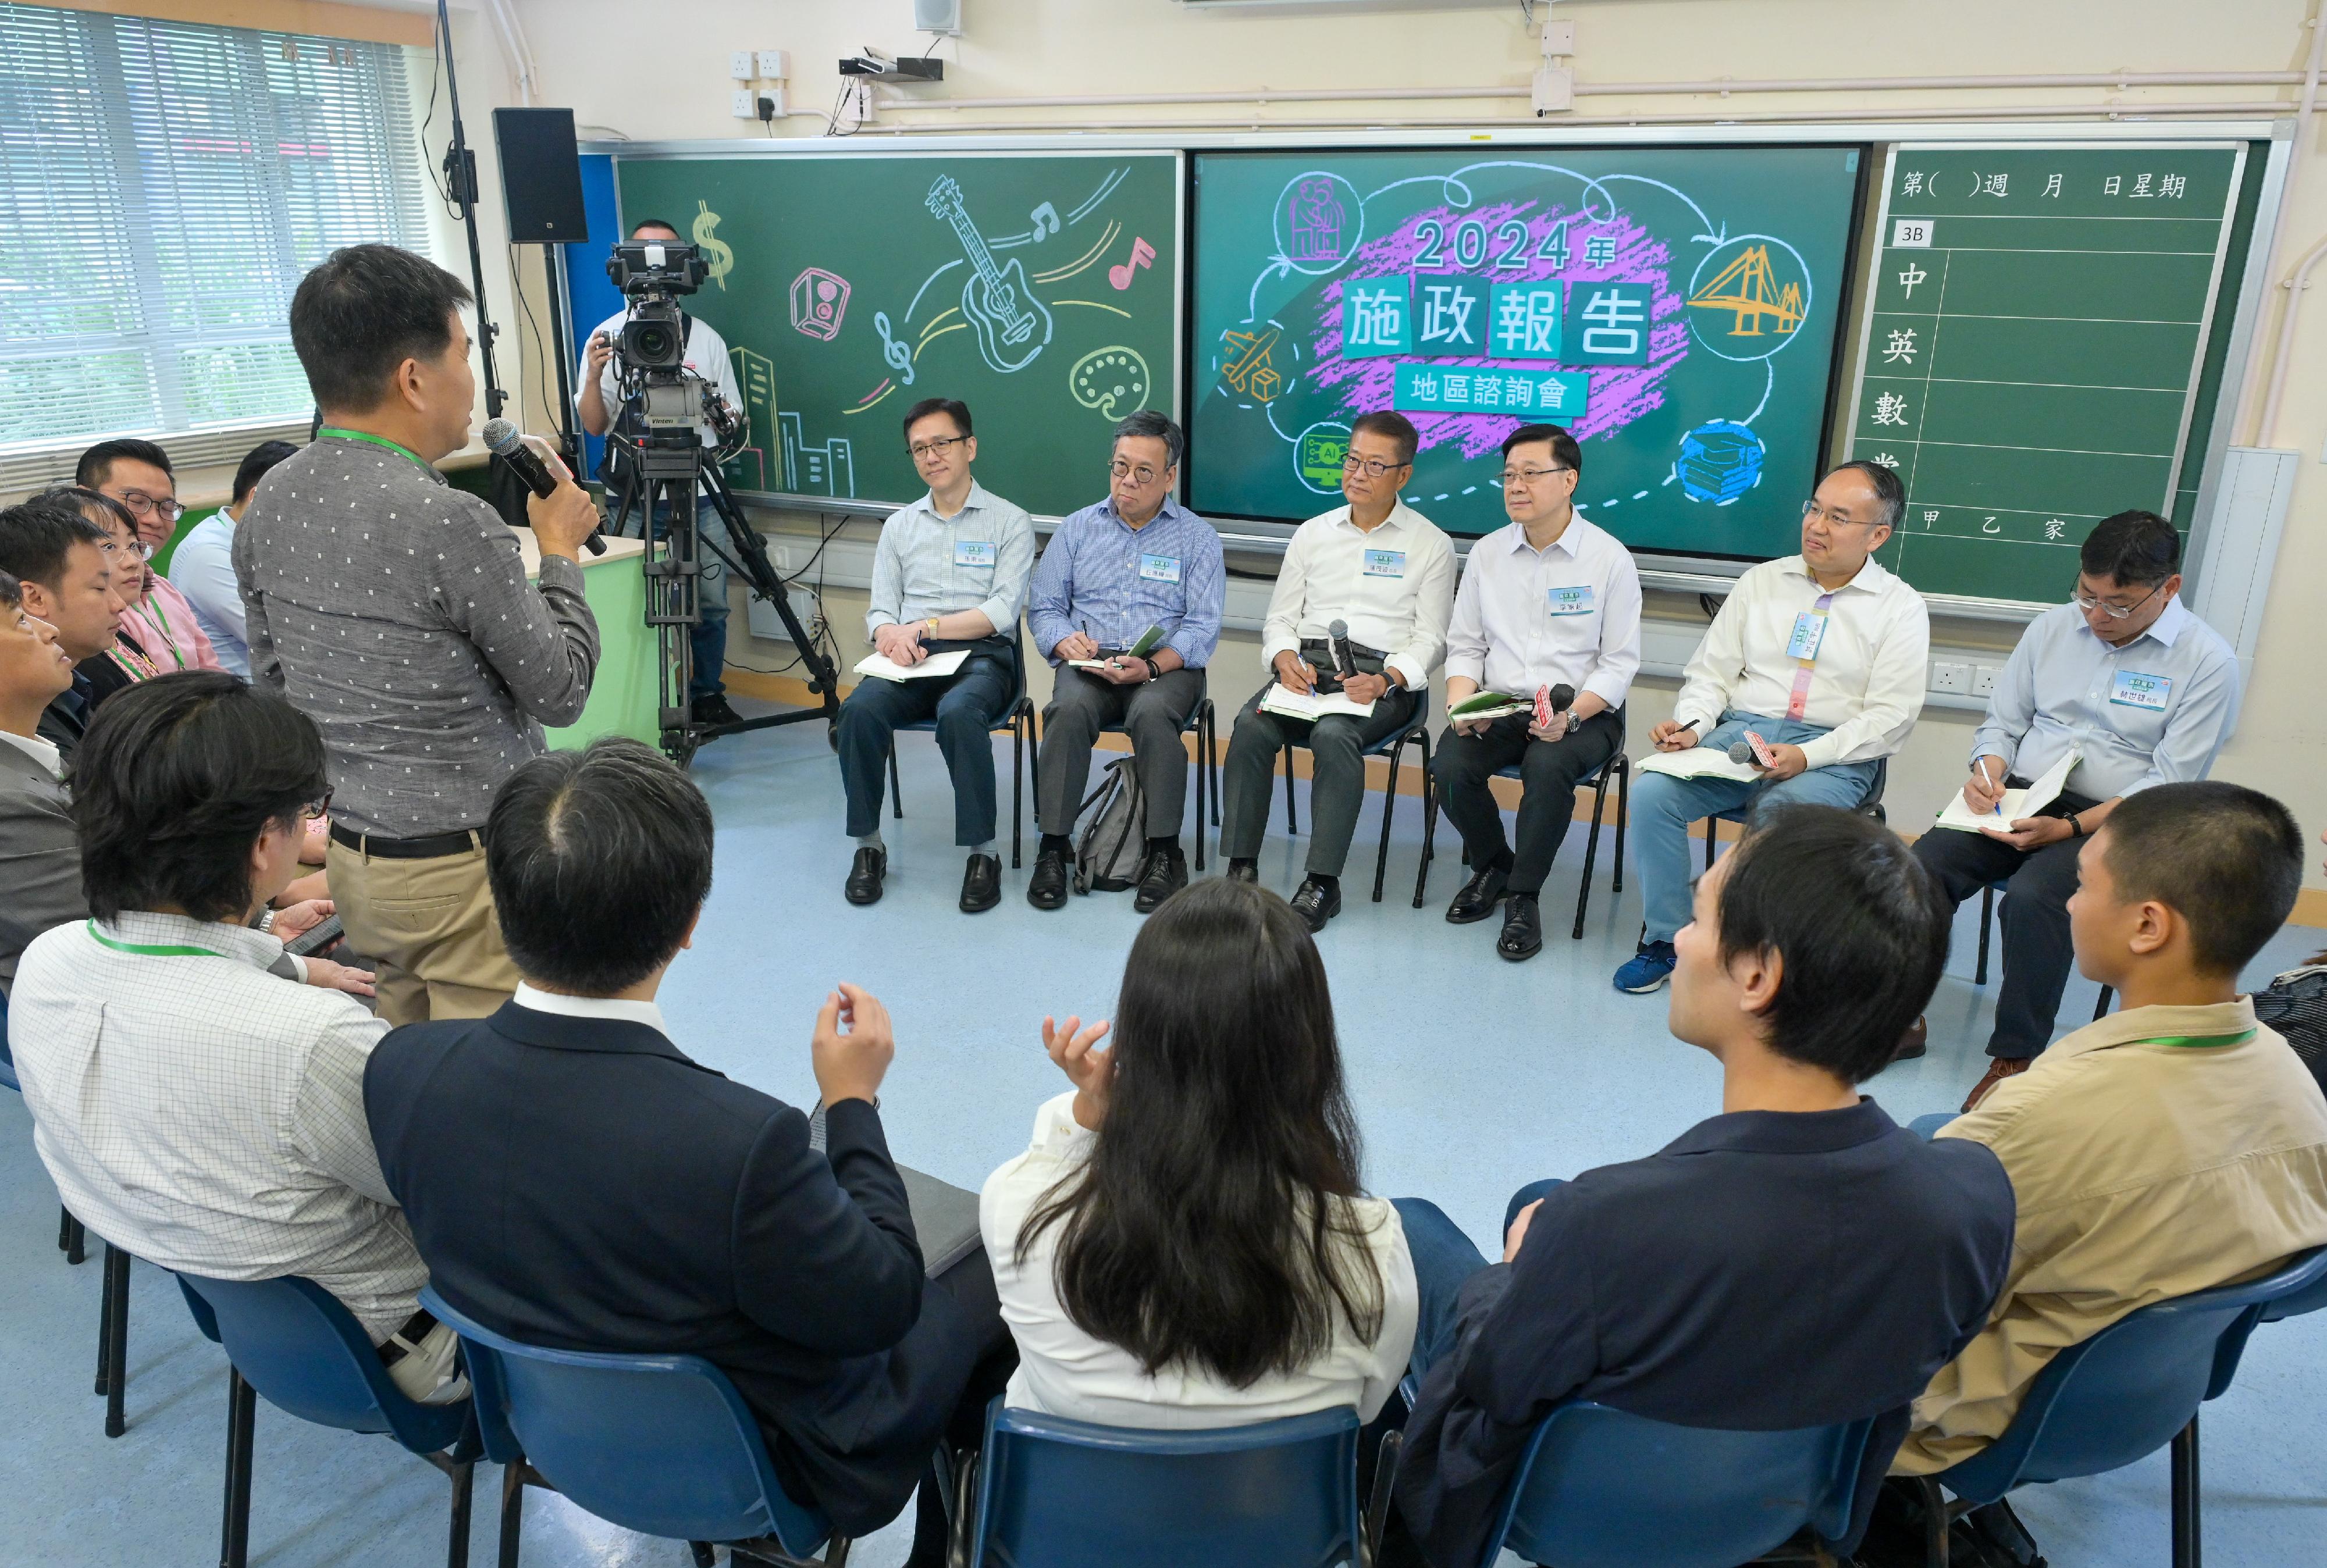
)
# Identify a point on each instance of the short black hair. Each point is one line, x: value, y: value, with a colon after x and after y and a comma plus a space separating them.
x: 98, y: 462
x: 12, y: 593
x: 255, y: 464
x: 953, y: 408
x: 599, y: 860
x: 656, y: 223
x: 2226, y: 858
x: 364, y: 311
x: 1862, y: 954
x: 1890, y: 493
x: 37, y: 535
x: 2139, y: 549
x: 1148, y: 424
x: 1391, y: 426
x: 1564, y: 452
x: 85, y: 501
x: 176, y: 778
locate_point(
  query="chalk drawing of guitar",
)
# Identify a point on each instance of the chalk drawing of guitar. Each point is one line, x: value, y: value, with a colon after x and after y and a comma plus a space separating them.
x: 1012, y: 325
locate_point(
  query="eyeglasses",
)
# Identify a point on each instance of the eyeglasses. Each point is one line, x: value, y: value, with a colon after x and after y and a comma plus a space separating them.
x: 141, y: 504
x: 313, y: 809
x: 925, y: 450
x: 1142, y: 475
x: 1812, y: 510
x: 1529, y: 477
x: 2114, y: 612
x: 1374, y: 467
x: 112, y: 546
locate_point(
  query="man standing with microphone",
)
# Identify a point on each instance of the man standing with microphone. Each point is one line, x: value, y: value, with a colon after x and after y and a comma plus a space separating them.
x: 394, y: 610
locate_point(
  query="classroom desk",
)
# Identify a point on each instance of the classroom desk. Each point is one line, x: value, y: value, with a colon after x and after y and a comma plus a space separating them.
x: 624, y: 698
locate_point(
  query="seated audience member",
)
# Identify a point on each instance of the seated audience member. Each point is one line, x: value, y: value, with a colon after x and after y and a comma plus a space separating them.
x: 1386, y: 573
x: 203, y: 565
x: 1821, y: 654
x: 1798, y: 1260
x: 1135, y: 562
x: 126, y: 662
x: 208, y: 1116
x: 2171, y: 1146
x: 576, y: 1180
x: 948, y: 573
x: 2143, y: 693
x: 1185, y: 1243
x: 135, y: 476
x: 39, y: 863
x: 63, y: 567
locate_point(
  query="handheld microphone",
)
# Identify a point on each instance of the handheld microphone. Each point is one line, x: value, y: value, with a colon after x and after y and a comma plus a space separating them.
x: 1337, y: 640
x: 1739, y: 752
x: 504, y: 442
x: 1562, y: 697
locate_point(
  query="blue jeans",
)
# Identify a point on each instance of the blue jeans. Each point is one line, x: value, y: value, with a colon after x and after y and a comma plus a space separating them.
x: 708, y: 639
x: 1444, y: 1259
x: 1663, y: 807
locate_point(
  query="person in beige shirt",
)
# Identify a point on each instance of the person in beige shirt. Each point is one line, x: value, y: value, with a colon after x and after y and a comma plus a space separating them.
x: 2171, y: 1147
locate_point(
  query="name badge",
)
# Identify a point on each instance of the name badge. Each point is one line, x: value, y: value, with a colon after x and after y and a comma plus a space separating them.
x: 972, y: 553
x: 1809, y: 630
x: 1159, y: 568
x: 1572, y: 601
x: 1385, y: 563
x: 2133, y: 689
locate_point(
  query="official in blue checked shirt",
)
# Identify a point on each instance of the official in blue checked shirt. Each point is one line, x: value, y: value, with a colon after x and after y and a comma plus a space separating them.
x: 2144, y: 693
x: 1137, y: 559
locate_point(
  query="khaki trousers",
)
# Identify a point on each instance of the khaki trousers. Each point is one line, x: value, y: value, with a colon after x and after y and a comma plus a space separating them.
x: 430, y: 927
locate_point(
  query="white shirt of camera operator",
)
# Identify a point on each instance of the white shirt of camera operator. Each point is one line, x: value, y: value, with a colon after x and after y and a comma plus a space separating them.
x: 706, y: 356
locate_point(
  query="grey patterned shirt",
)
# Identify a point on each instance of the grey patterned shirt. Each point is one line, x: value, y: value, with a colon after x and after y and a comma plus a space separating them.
x: 394, y: 611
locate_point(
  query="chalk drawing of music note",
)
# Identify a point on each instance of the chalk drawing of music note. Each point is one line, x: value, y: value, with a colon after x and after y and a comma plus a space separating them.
x: 1043, y: 215
x: 900, y: 358
x: 1142, y: 254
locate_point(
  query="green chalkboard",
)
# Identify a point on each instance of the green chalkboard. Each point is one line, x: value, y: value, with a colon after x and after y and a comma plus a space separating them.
x: 2042, y: 350
x: 1040, y: 290
x: 1688, y: 299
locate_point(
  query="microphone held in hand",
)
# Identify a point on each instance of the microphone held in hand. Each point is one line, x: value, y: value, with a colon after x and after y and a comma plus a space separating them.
x: 504, y: 441
x: 1336, y: 640
x: 1739, y: 752
x: 1562, y: 697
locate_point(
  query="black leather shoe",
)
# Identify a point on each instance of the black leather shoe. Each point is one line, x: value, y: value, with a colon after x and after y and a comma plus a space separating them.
x: 1047, y: 888
x: 981, y: 884
x: 1243, y: 871
x: 1478, y: 896
x: 1316, y: 903
x: 1166, y: 873
x: 715, y: 709
x: 1522, y: 935
x: 864, y: 876
x: 1914, y: 1043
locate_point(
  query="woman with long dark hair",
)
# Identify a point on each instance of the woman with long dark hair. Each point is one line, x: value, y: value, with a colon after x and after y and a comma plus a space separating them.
x: 1185, y: 1243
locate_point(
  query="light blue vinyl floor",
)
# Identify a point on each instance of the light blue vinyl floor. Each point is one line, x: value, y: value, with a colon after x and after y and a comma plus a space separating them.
x: 1470, y: 1077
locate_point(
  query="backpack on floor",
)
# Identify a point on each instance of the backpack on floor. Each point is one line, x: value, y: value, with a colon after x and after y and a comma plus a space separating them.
x: 2295, y: 1005
x: 1114, y: 838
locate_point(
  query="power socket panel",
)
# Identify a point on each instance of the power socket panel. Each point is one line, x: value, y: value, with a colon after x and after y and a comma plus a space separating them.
x: 1949, y: 677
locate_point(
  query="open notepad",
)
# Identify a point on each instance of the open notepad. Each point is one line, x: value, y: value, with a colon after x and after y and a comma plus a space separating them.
x: 1284, y: 699
x: 1490, y: 705
x: 2015, y: 806
x: 1147, y: 642
x: 1699, y: 762
x: 881, y: 666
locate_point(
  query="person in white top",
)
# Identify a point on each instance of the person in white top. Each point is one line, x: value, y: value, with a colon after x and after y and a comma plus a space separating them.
x: 1386, y: 573
x: 1821, y: 656
x: 601, y: 405
x: 1185, y: 1244
x: 192, y: 1108
x: 1547, y: 601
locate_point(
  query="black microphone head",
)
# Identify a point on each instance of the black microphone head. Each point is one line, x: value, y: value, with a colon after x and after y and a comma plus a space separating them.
x: 500, y: 434
x: 1562, y: 697
x: 1739, y: 752
x: 1337, y: 629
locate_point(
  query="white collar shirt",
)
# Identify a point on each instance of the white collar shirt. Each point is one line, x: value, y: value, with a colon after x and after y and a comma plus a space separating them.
x: 706, y: 356
x: 39, y: 750
x: 1866, y: 683
x: 980, y: 559
x: 1394, y: 587
x: 1567, y: 615
x: 207, y: 1115
x: 607, y: 1007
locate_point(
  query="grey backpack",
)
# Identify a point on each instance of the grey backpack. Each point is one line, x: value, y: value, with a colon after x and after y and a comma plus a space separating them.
x: 1114, y: 839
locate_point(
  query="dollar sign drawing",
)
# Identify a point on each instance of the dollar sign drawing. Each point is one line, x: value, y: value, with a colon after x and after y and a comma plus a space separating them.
x: 722, y: 260
x: 900, y: 358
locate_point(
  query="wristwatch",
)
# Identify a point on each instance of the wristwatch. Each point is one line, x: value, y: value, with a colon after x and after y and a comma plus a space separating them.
x: 932, y: 624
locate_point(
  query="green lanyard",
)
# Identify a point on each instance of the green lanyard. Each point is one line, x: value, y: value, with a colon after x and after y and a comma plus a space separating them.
x: 152, y: 952
x: 375, y: 440
x: 2198, y: 1041
x: 168, y: 641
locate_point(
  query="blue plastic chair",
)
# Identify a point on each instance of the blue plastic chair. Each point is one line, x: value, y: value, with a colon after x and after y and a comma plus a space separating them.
x: 1600, y: 1488
x: 1393, y: 746
x: 2122, y: 1394
x: 660, y: 1444
x: 1616, y: 770
x: 1019, y: 720
x: 1870, y: 806
x: 1055, y: 1493
x: 291, y: 1340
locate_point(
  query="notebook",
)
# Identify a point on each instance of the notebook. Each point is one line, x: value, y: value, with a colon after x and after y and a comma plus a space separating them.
x: 944, y: 1216
x: 1284, y: 699
x: 1699, y: 762
x: 1489, y: 705
x: 881, y: 666
x: 2015, y: 805
x: 1139, y: 649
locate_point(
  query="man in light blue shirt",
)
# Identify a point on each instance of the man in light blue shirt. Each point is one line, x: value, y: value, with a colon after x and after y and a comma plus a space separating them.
x: 2143, y: 693
x: 950, y: 575
x: 1136, y: 560
x: 203, y: 565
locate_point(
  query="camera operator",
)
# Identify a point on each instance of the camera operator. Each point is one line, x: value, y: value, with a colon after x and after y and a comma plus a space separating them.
x: 601, y: 407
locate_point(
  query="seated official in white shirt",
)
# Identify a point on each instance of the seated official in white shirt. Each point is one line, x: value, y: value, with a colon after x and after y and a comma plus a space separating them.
x: 1822, y: 656
x: 1547, y: 601
x: 1185, y: 1244
x: 203, y: 565
x: 1385, y: 573
x: 192, y: 1108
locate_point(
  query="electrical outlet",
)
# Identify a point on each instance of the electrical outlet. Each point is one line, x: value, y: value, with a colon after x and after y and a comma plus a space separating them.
x: 1559, y: 38
x: 741, y: 105
x: 772, y: 65
x: 739, y: 65
x: 772, y: 101
x: 1982, y: 679
x: 1951, y: 677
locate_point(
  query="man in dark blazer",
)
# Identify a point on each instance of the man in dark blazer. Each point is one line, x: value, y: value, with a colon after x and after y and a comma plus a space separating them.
x: 40, y: 862
x: 576, y: 1182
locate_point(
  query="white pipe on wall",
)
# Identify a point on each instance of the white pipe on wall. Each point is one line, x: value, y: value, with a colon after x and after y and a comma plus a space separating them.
x: 2282, y: 359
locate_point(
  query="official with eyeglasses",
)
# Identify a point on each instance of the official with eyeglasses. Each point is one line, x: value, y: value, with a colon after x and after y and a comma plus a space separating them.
x: 2143, y: 693
x: 1823, y: 655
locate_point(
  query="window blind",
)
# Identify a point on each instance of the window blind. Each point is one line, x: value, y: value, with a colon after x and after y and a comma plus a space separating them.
x: 164, y: 186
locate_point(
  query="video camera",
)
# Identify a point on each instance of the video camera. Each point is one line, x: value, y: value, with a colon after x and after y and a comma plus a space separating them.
x: 668, y: 397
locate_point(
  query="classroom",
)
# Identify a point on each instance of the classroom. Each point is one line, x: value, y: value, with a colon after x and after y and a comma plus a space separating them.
x: 1664, y: 896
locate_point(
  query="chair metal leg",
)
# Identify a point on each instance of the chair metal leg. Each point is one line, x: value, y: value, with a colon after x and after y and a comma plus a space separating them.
x: 1987, y: 918
x: 1290, y: 825
x: 113, y: 1358
x: 1591, y: 853
x: 704, y: 1553
x: 1389, y: 804
x: 76, y: 1239
x: 1712, y: 839
x: 896, y: 791
x: 2186, y: 1532
x: 242, y: 1420
x: 1935, y: 1523
x: 1212, y: 754
x: 1021, y: 721
x: 464, y: 1483
x: 1429, y: 836
x: 836, y: 1555
x: 2101, y: 1007
x: 513, y: 1517
x: 1624, y: 814
x: 1200, y: 792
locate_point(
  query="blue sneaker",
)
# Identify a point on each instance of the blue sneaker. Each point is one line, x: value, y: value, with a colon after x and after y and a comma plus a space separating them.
x: 1648, y: 969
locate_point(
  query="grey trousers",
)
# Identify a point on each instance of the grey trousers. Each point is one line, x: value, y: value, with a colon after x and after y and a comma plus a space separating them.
x: 1155, y: 713
x: 1337, y: 777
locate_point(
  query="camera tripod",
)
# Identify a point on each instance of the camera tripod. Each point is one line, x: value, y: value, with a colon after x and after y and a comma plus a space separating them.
x: 667, y: 467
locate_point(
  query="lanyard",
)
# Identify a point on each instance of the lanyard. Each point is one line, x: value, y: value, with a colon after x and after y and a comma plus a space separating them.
x: 1800, y: 701
x: 375, y: 440
x: 151, y: 952
x: 163, y: 630
x: 2198, y: 1041
x: 134, y: 661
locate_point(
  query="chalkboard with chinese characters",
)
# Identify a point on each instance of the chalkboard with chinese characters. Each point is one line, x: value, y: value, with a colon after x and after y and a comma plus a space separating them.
x: 1677, y: 309
x: 2040, y: 347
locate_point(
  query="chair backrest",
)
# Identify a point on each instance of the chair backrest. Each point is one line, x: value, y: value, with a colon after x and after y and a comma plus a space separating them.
x: 2305, y: 1288
x: 1601, y: 1488
x: 660, y: 1444
x: 1055, y: 1493
x: 292, y: 1341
